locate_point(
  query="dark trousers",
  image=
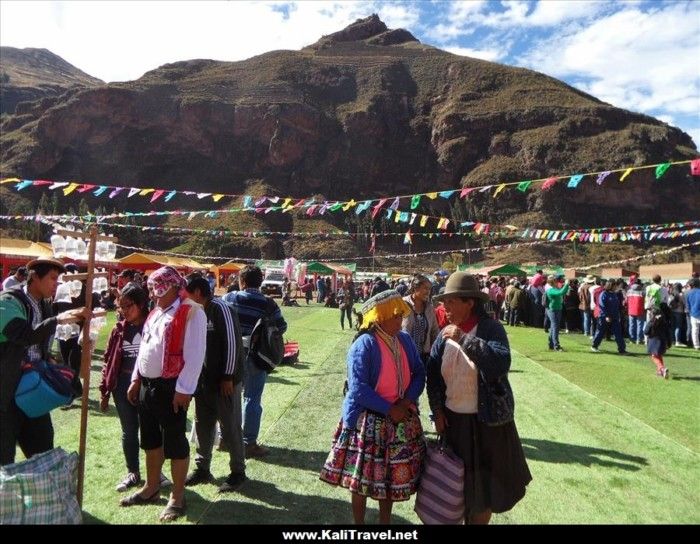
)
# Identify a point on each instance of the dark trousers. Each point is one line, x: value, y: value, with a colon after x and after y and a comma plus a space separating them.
x: 211, y: 406
x: 513, y: 316
x: 347, y: 310
x: 129, y: 420
x: 71, y: 355
x: 614, y: 327
x: 32, y: 434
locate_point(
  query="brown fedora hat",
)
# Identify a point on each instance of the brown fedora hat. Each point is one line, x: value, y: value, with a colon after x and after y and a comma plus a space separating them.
x: 47, y: 260
x: 461, y: 284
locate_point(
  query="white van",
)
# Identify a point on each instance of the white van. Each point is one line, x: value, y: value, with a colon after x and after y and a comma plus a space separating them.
x: 273, y: 282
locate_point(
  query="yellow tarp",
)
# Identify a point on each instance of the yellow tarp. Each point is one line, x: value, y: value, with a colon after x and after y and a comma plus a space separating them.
x: 162, y: 260
x: 24, y: 248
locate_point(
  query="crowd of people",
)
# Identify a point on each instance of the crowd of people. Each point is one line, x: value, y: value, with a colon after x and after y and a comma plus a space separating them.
x: 175, y: 341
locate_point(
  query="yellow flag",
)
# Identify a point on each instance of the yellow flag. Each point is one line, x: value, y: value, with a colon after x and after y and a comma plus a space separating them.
x: 217, y: 197
x: 499, y: 189
x: 627, y: 173
x: 431, y: 196
x: 9, y: 180
x: 144, y: 192
x: 71, y: 187
x: 423, y: 220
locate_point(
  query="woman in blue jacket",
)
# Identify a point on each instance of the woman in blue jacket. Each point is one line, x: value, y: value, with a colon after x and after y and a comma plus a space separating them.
x: 469, y: 362
x: 379, y: 446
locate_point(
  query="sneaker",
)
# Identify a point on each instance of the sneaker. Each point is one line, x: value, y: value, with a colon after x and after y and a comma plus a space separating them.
x: 165, y: 481
x: 233, y: 482
x: 255, y: 450
x: 595, y: 349
x: 664, y: 373
x: 679, y: 345
x: 131, y: 480
x: 198, y: 476
x: 559, y: 348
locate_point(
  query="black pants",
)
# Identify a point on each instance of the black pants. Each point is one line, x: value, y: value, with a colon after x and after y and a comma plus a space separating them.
x: 159, y: 424
x: 71, y: 354
x: 32, y: 434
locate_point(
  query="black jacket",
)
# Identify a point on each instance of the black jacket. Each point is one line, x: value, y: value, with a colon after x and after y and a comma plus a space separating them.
x: 17, y: 335
x: 225, y: 353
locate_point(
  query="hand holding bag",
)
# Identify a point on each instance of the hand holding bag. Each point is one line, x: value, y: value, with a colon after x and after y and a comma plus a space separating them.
x: 43, y: 387
x: 440, y: 497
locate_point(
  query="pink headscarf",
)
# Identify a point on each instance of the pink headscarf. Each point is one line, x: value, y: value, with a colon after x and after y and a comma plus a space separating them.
x: 163, y: 279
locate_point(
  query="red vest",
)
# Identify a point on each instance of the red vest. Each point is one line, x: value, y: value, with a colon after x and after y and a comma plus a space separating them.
x: 173, y: 360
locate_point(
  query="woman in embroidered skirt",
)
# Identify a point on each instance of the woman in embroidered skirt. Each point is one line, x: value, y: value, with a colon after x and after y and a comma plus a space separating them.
x: 468, y: 362
x: 379, y: 446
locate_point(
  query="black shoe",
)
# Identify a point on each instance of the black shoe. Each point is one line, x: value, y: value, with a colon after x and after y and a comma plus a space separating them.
x: 233, y: 482
x: 199, y: 476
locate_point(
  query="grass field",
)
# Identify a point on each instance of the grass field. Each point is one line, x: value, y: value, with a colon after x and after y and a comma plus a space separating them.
x: 606, y: 440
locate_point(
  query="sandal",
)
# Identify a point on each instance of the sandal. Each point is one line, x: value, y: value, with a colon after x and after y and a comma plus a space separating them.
x: 172, y: 512
x: 137, y: 499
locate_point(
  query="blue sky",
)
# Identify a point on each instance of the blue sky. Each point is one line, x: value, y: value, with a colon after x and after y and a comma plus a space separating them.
x: 639, y: 55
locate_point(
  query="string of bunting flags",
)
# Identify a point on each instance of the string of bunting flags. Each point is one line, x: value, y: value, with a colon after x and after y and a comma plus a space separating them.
x: 314, y: 206
x: 640, y: 257
x: 426, y: 253
x: 595, y: 234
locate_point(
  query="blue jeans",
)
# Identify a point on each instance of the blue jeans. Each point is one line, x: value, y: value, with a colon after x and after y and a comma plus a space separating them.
x: 586, y: 320
x: 679, y: 329
x: 129, y: 420
x: 616, y: 330
x: 636, y: 328
x: 554, y: 320
x: 253, y: 385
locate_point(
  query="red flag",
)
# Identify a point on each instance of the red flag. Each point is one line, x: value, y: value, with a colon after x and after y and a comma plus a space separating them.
x: 695, y: 167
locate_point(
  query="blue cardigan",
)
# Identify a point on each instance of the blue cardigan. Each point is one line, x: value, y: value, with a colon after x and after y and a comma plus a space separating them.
x: 364, y: 364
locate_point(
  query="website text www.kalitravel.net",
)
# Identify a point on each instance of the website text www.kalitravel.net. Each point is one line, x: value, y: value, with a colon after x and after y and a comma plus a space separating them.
x: 350, y: 534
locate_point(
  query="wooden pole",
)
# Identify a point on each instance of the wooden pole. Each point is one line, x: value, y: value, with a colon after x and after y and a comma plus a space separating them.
x: 85, y: 364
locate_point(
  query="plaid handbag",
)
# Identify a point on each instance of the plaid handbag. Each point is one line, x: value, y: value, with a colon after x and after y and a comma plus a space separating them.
x: 440, y: 497
x: 41, y: 490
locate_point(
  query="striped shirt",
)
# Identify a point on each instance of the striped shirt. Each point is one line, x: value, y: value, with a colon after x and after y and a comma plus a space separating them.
x: 34, y: 350
x: 251, y: 305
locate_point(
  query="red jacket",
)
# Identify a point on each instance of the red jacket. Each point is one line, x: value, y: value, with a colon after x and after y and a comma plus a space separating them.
x: 635, y: 301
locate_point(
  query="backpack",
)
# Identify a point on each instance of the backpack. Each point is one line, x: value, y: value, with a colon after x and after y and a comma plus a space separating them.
x: 267, y: 342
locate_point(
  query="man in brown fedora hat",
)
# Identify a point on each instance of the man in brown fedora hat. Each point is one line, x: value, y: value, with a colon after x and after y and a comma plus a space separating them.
x: 26, y: 325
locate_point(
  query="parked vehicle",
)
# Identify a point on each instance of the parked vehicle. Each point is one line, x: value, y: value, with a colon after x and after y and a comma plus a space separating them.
x: 272, y: 284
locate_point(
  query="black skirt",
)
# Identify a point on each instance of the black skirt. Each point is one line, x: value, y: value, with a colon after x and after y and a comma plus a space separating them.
x: 496, y: 472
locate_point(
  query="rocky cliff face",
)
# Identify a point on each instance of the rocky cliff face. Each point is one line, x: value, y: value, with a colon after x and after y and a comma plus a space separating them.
x: 364, y: 112
x: 28, y: 75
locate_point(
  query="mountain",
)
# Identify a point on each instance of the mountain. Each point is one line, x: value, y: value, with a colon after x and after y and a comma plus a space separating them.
x: 31, y: 74
x: 364, y: 112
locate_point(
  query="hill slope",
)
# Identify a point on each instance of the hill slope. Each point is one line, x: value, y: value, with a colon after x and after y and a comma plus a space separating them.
x: 362, y: 113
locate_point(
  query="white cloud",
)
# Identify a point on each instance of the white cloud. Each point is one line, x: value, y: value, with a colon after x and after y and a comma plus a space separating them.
x: 118, y: 41
x: 399, y: 16
x: 551, y: 12
x: 694, y: 133
x: 485, y: 54
x: 458, y: 21
x: 632, y: 59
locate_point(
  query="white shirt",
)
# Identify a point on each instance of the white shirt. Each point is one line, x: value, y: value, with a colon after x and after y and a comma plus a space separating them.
x: 591, y: 290
x: 149, y: 362
x: 461, y: 378
x: 11, y: 283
